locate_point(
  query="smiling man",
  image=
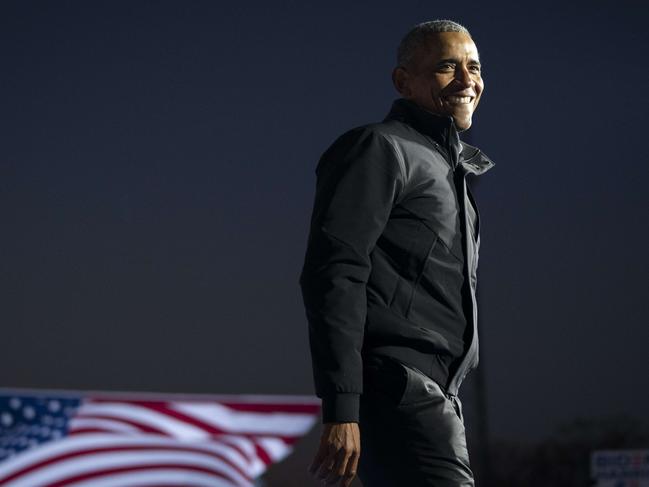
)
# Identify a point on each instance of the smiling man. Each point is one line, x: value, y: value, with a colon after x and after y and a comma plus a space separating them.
x: 389, y: 275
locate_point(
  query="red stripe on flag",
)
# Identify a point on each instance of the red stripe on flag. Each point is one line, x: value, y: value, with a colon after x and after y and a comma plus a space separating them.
x: 142, y: 427
x: 112, y: 471
x: 261, y: 453
x: 92, y: 451
x: 85, y: 431
x: 162, y: 408
x: 289, y: 408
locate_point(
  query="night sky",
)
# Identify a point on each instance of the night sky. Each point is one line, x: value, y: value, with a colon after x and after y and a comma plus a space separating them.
x: 157, y: 178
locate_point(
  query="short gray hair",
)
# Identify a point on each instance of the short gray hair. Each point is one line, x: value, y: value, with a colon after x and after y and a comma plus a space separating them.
x: 416, y: 38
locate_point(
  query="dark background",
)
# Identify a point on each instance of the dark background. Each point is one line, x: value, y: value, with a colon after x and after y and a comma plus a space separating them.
x: 157, y: 175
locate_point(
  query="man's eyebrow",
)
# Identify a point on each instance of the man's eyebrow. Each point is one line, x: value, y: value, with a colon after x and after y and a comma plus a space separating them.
x: 457, y: 61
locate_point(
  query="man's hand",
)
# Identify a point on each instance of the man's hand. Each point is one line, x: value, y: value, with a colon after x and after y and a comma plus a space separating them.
x: 337, y: 457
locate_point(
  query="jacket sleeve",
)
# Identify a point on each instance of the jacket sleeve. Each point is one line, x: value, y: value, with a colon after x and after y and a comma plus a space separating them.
x: 358, y: 180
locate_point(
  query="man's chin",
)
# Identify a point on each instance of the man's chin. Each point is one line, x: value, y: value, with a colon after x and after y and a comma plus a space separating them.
x: 462, y: 124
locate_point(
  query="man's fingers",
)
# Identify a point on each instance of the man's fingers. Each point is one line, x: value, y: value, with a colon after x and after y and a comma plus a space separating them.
x: 337, y: 455
x: 317, y: 461
x: 350, y: 469
x: 338, y: 468
x: 326, y: 462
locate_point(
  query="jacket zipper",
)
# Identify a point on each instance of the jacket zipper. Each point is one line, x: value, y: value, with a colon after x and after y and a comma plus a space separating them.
x: 461, y: 372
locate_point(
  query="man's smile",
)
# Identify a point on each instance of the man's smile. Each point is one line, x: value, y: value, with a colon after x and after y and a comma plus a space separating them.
x: 458, y: 100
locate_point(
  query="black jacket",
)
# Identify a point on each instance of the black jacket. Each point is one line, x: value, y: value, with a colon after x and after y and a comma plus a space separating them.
x: 390, y: 265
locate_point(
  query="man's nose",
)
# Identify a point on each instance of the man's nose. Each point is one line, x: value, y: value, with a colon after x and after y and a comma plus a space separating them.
x: 463, y: 75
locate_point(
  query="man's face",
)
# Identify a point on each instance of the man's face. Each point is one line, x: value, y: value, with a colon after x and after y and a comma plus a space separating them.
x: 444, y: 77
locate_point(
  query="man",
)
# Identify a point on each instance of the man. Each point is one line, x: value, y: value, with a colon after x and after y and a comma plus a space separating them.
x: 389, y: 275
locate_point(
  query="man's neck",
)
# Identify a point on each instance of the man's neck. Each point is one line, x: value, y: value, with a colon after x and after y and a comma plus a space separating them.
x: 441, y: 128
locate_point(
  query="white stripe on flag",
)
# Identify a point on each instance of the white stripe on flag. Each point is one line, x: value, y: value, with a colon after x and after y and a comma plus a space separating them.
x: 149, y: 417
x: 275, y: 447
x: 256, y: 465
x: 103, y: 424
x: 283, y: 424
x: 85, y: 464
x: 157, y: 477
x: 73, y: 444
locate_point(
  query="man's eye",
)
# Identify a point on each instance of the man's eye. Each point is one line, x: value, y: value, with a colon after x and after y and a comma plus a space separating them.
x: 475, y: 69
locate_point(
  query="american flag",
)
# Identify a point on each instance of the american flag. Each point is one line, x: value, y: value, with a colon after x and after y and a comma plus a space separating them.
x: 101, y: 439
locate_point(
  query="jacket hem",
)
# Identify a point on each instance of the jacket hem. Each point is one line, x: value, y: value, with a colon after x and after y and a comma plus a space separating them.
x: 435, y: 366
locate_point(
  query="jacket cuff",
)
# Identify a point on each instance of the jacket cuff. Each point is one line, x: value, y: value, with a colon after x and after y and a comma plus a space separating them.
x: 340, y: 408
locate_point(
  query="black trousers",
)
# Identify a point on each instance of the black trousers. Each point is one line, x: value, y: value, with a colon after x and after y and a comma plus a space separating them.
x: 412, y: 433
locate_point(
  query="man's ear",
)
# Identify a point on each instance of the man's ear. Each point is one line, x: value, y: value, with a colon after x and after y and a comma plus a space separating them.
x: 400, y: 79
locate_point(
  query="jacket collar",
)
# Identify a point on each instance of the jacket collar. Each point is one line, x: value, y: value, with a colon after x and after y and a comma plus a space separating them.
x: 474, y: 160
x: 442, y: 129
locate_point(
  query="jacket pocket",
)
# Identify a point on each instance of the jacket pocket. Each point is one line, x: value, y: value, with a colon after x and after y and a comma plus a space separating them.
x: 401, y: 296
x: 421, y: 268
x: 412, y: 269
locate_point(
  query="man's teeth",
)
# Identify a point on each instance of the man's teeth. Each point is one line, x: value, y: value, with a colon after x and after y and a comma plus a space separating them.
x: 458, y: 99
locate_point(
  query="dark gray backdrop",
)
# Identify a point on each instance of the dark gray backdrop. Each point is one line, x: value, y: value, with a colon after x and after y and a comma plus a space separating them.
x: 157, y: 175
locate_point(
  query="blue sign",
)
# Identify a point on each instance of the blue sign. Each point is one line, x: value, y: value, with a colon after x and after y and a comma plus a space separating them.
x: 620, y: 468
